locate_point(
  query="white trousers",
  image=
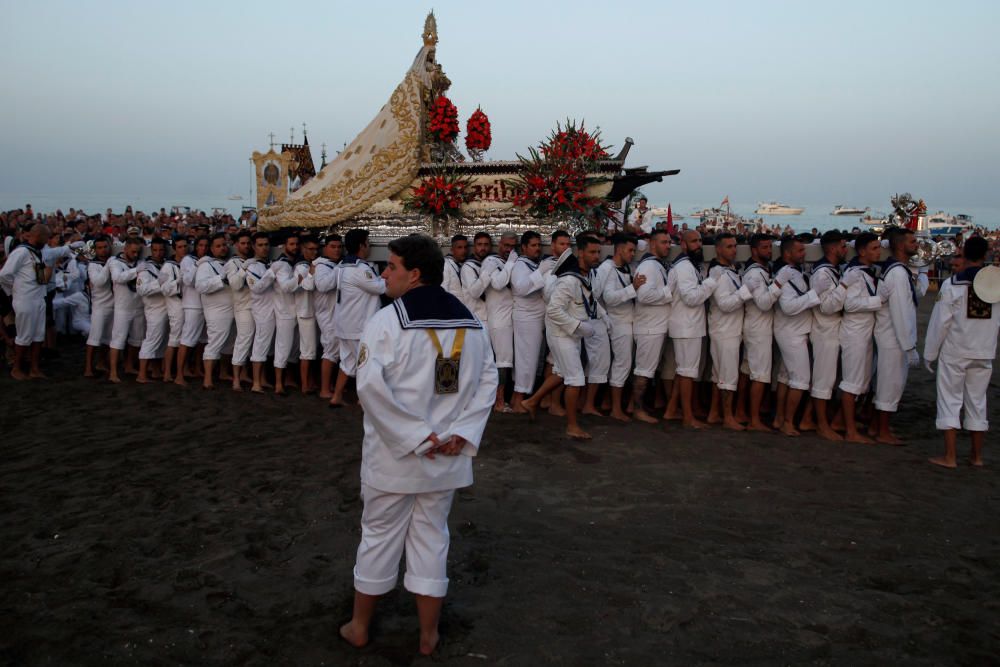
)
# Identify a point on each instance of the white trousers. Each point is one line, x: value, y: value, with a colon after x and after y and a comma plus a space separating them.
x: 566, y: 358
x: 963, y: 382
x: 725, y: 362
x: 193, y: 327
x: 155, y: 339
x: 392, y: 523
x: 29, y: 322
x: 621, y: 357
x: 175, y: 318
x: 328, y: 339
x: 244, y: 336
x: 795, y: 359
x: 598, y: 354
x: 308, y: 333
x: 528, y: 338
x: 263, y: 336
x: 890, y: 378
x: 128, y: 326
x: 349, y: 356
x: 101, y: 320
x: 826, y: 351
x: 757, y: 356
x: 503, y: 346
x: 284, y: 340
x: 855, y: 364
x: 648, y: 348
x: 687, y: 352
x: 218, y: 327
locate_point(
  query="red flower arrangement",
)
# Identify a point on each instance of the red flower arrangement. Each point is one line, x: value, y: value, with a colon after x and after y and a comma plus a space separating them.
x: 439, y: 195
x: 554, y: 179
x: 478, y: 135
x: 443, y: 121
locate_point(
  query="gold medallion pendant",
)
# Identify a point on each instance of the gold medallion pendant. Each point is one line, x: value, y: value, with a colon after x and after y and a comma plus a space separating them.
x: 446, y: 369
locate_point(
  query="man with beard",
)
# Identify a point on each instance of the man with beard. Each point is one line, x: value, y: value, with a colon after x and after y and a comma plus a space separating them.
x: 128, y: 326
x: 758, y: 324
x: 212, y: 284
x: 305, y: 310
x: 171, y: 286
x: 453, y: 265
x: 652, y: 318
x: 154, y: 307
x: 687, y: 319
x: 527, y: 281
x: 194, y: 316
x: 285, y: 284
x: 474, y: 283
x: 236, y: 274
x: 825, y: 332
x: 260, y: 280
x: 102, y: 302
x: 24, y: 277
x: 325, y: 305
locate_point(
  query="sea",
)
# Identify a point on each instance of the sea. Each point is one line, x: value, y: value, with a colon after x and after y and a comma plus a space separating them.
x: 815, y: 215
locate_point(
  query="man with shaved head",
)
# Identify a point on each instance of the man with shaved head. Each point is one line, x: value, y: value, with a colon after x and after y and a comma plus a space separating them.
x: 24, y: 277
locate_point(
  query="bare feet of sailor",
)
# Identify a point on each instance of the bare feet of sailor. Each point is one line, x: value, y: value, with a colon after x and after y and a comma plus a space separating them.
x: 829, y: 434
x: 944, y: 462
x: 577, y: 433
x: 355, y: 636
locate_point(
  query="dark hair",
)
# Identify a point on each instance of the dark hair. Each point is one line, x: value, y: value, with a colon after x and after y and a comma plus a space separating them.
x: 975, y: 248
x: 422, y: 253
x: 830, y: 237
x: 482, y: 235
x: 558, y: 234
x: 240, y: 234
x: 332, y: 237
x: 102, y: 238
x: 157, y: 241
x: 788, y: 242
x: 757, y: 239
x: 260, y: 235
x: 723, y: 236
x: 529, y: 236
x: 354, y: 239
x: 218, y: 235
x: 657, y: 231
x: 458, y: 237
x: 897, y: 236
x: 584, y: 239
x: 864, y: 239
x: 621, y: 239
x: 134, y: 240
x: 308, y: 238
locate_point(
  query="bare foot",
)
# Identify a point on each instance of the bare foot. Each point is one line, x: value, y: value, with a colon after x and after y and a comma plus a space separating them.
x: 742, y: 417
x: 326, y: 394
x: 428, y: 642
x: 529, y: 408
x: 859, y: 438
x: 237, y: 386
x: 115, y: 379
x: 889, y: 439
x: 354, y: 636
x: 789, y: 430
x: 621, y: 416
x: 577, y: 433
x: 733, y: 425
x: 18, y: 374
x: 759, y: 426
x: 644, y: 416
x: 180, y: 381
x: 502, y: 408
x: 695, y: 423
x: 977, y: 462
x: 672, y: 415
x: 806, y: 426
x: 777, y: 424
x: 207, y: 385
x: 943, y: 461
x: 257, y: 390
x: 168, y: 378
x: 594, y: 412
x: 829, y: 434
x: 38, y: 375
x: 519, y: 409
x: 557, y: 410
x: 714, y: 418
x: 89, y: 374
x: 142, y: 380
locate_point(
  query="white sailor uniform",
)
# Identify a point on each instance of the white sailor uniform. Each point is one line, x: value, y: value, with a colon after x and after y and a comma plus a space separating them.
x: 612, y: 286
x: 325, y: 305
x: 260, y: 280
x: 305, y: 311
x: 359, y: 288
x: 212, y: 284
x: 652, y: 314
x: 474, y: 285
x: 687, y: 314
x: 527, y: 281
x: 194, y: 316
x: 725, y: 325
x: 171, y: 286
x: 572, y: 315
x: 758, y: 322
x: 452, y: 278
x: 500, y: 307
x: 128, y: 325
x: 102, y: 303
x: 285, y: 321
x: 856, y: 327
x: 154, y: 306
x: 236, y: 274
x: 825, y: 332
x: 22, y: 277
x: 962, y: 337
x: 896, y: 333
x: 792, y: 323
x: 407, y: 496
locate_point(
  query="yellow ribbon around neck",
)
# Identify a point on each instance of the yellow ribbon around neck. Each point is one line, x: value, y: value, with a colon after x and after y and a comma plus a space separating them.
x: 456, y: 347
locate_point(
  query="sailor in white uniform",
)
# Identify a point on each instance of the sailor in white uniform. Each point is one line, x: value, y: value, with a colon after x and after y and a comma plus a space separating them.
x: 260, y: 280
x: 792, y: 323
x: 863, y: 300
x: 725, y: 328
x: 652, y: 318
x: 500, y: 310
x: 305, y: 310
x: 453, y: 265
x: 825, y: 332
x: 242, y: 313
x: 286, y: 282
x: 962, y: 338
x: 171, y: 286
x: 559, y: 241
x: 427, y: 382
x: 24, y: 277
x: 571, y: 316
x: 212, y: 284
x: 359, y: 289
x: 687, y: 319
x: 325, y: 305
x: 129, y: 325
x: 758, y: 324
x: 102, y: 301
x: 154, y: 306
x: 527, y: 281
x: 896, y: 329
x: 194, y: 317
x: 474, y: 282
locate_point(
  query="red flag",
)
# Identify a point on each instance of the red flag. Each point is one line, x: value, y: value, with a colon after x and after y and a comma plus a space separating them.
x: 670, y: 220
x: 725, y: 202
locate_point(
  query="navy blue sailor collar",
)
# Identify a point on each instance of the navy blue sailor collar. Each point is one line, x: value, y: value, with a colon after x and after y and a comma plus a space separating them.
x: 431, y: 307
x: 966, y: 276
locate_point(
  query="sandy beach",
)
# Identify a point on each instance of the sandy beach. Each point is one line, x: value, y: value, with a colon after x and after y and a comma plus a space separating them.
x: 160, y: 525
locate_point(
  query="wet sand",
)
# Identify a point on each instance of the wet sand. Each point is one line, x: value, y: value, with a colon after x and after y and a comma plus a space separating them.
x: 161, y: 525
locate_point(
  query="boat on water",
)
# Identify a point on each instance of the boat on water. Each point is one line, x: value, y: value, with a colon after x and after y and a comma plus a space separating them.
x: 235, y: 197
x: 840, y: 209
x: 662, y: 213
x: 777, y: 208
x: 943, y: 224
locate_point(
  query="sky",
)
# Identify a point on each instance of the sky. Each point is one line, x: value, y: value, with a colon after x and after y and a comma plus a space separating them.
x: 842, y: 102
